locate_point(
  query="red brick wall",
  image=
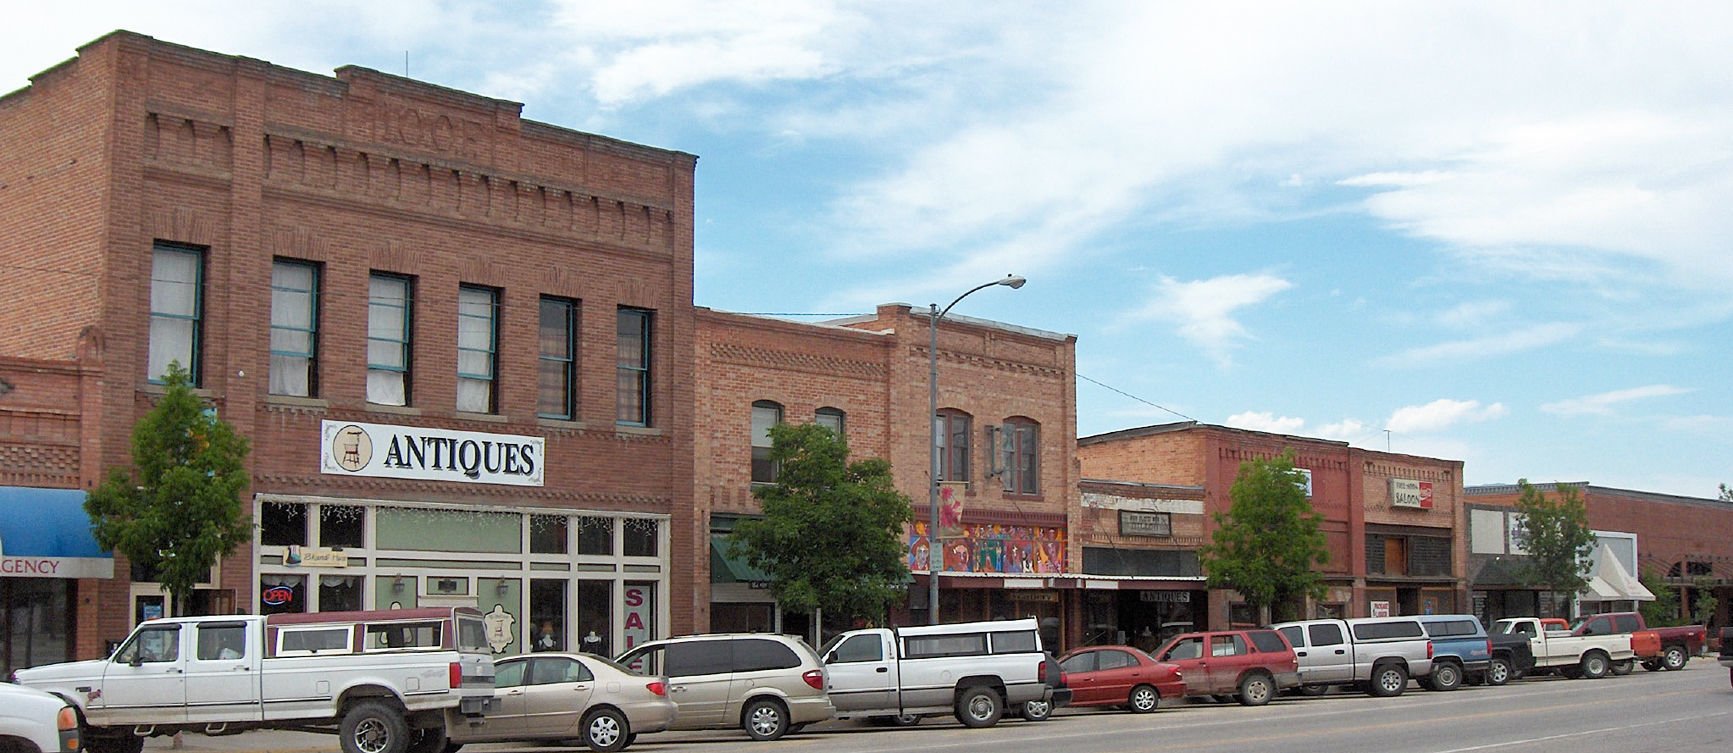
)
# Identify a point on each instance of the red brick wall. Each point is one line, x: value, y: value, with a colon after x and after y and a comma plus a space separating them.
x: 1669, y: 528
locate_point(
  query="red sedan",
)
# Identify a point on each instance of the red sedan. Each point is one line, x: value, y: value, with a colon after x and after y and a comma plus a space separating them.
x: 1119, y: 676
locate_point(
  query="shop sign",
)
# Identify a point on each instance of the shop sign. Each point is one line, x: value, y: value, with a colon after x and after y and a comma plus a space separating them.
x: 56, y: 567
x: 1183, y: 597
x: 639, y: 602
x: 1051, y: 597
x: 414, y: 452
x: 299, y: 556
x: 276, y: 596
x: 1380, y: 609
x: 1135, y: 523
x: 1408, y: 493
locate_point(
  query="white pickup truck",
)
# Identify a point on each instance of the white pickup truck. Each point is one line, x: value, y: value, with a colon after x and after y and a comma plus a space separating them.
x: 386, y: 681
x: 1590, y: 656
x: 975, y: 670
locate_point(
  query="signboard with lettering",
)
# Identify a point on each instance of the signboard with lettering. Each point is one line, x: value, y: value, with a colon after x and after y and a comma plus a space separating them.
x: 1182, y: 597
x: 1138, y: 523
x: 415, y: 452
x: 1409, y: 493
x: 300, y: 556
x: 1380, y: 609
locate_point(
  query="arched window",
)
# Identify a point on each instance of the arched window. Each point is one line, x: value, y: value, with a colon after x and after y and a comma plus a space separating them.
x: 765, y: 414
x: 1020, y: 456
x: 831, y: 418
x: 951, y: 431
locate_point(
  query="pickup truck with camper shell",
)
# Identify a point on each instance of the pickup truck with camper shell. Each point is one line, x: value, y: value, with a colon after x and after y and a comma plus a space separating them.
x: 1461, y: 651
x: 1657, y: 648
x: 1379, y: 654
x: 384, y: 681
x: 975, y: 670
x: 1573, y: 656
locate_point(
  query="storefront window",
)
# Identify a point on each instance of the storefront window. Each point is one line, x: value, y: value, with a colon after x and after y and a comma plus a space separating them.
x: 281, y: 594
x: 35, y: 622
x: 548, y: 613
x: 742, y: 618
x: 639, y: 600
x: 283, y: 524
x: 640, y: 537
x: 395, y: 591
x: 596, y: 536
x: 547, y: 534
x: 342, y: 526
x: 339, y: 593
x: 595, y: 617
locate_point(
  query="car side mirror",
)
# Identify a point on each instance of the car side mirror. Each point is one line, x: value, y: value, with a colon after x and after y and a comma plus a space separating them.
x: 830, y: 657
x: 137, y: 660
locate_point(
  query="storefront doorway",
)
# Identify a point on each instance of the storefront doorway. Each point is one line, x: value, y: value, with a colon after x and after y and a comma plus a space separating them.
x: 1145, y: 619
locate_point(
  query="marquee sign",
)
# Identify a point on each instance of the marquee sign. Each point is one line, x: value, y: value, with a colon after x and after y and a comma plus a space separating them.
x: 413, y: 452
x: 1407, y: 493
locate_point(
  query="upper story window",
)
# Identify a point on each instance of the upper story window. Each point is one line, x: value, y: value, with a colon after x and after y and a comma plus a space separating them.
x: 477, y: 348
x: 556, y: 396
x: 1020, y: 453
x: 176, y: 309
x: 390, y: 319
x: 765, y: 414
x: 632, y: 398
x: 294, y: 328
x: 833, y: 419
x: 951, y: 432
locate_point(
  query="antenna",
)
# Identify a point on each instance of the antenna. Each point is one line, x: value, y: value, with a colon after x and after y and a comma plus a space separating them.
x: 406, y: 64
x: 1386, y: 440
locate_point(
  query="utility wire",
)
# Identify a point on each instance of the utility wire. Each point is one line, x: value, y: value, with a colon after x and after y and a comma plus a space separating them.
x: 1138, y: 399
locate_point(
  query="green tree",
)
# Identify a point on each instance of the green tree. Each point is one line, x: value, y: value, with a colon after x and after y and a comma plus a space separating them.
x: 1664, y: 610
x: 1726, y: 493
x: 1704, y: 603
x: 1267, y: 546
x: 1555, y: 532
x: 832, y: 533
x: 177, y: 511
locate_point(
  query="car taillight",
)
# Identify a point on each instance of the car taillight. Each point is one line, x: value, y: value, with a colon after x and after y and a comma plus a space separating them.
x: 1041, y: 674
x: 1489, y: 647
x: 658, y: 687
x: 814, y: 677
x: 1429, y: 649
x: 456, y: 675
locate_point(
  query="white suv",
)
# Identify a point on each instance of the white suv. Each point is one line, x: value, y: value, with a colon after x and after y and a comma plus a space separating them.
x: 32, y: 721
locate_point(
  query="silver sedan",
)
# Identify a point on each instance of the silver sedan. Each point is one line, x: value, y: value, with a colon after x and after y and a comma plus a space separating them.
x: 572, y: 696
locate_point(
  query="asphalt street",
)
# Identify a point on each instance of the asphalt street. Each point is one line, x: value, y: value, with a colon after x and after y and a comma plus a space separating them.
x: 1690, y: 710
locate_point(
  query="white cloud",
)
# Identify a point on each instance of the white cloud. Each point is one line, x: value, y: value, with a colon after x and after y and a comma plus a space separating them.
x: 1266, y: 421
x: 1473, y: 313
x: 1702, y: 423
x: 1441, y: 414
x: 1203, y: 310
x: 1502, y: 344
x: 1602, y: 403
x: 1350, y: 430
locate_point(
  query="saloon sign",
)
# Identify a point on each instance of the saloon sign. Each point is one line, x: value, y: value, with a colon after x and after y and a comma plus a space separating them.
x: 413, y: 452
x: 1407, y: 493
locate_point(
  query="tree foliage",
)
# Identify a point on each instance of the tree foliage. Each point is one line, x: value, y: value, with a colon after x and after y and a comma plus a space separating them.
x: 177, y: 511
x: 832, y: 533
x: 1267, y: 546
x: 1555, y: 533
x: 1704, y: 604
x: 1726, y: 493
x: 1664, y: 610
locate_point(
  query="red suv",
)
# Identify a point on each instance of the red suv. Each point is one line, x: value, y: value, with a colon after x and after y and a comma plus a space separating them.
x: 1119, y: 676
x: 1249, y: 665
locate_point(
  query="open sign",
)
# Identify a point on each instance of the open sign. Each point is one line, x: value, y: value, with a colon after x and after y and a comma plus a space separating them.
x: 277, y: 596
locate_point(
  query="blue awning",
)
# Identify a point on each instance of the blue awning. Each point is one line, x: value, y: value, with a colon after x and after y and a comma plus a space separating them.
x: 45, y: 533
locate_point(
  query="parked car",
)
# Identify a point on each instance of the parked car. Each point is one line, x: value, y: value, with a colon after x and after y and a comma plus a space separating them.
x: 1558, y: 651
x: 1058, y: 697
x: 975, y: 670
x: 32, y: 721
x: 1120, y: 676
x: 1251, y: 666
x: 1660, y: 648
x: 1461, y: 651
x: 1726, y: 657
x: 769, y: 685
x: 555, y: 696
x: 1377, y: 653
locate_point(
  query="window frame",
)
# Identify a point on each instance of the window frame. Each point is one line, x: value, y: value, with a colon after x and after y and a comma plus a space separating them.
x: 1020, y: 450
x: 569, y: 362
x: 949, y: 425
x: 491, y: 378
x: 195, y: 356
x: 838, y: 415
x: 774, y: 468
x: 315, y: 271
x: 641, y: 372
x: 405, y: 345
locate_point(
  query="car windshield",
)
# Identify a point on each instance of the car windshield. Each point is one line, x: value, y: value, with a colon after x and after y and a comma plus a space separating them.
x: 830, y: 644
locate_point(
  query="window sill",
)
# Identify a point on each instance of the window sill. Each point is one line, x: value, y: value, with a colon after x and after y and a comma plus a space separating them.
x: 298, y: 402
x: 560, y: 423
x: 492, y: 418
x: 638, y: 431
x: 157, y: 388
x: 398, y: 410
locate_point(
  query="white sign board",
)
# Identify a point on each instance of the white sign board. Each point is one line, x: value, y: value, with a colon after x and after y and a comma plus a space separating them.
x: 413, y: 452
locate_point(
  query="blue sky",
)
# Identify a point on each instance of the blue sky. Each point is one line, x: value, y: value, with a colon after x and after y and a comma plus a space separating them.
x: 1499, y: 233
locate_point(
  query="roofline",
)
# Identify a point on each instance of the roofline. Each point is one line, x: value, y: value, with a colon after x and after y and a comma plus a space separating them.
x: 911, y: 311
x: 1486, y: 490
x: 1142, y: 485
x: 1145, y: 431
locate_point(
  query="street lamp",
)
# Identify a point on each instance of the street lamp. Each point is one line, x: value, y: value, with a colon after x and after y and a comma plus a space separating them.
x: 936, y: 553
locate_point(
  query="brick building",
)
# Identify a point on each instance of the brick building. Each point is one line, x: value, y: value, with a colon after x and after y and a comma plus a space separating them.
x: 460, y: 341
x: 1389, y: 520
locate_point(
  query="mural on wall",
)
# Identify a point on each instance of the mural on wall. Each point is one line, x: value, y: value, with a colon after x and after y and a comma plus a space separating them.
x: 990, y: 549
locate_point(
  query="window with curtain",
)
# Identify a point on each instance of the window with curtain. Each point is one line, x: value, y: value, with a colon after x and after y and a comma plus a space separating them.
x: 951, y: 432
x: 632, y: 398
x: 477, y: 348
x: 557, y: 394
x: 176, y: 307
x: 1020, y: 449
x: 390, y: 316
x: 765, y: 414
x: 294, y: 328
x: 831, y: 418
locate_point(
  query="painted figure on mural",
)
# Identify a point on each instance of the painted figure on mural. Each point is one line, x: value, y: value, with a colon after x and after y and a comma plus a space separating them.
x: 950, y: 510
x: 989, y: 556
x: 957, y: 556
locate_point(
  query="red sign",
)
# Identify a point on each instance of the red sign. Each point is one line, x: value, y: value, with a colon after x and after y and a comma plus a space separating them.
x: 277, y: 596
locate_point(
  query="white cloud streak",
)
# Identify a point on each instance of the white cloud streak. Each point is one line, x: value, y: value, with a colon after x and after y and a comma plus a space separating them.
x: 1441, y: 414
x: 1502, y: 344
x: 1203, y: 310
x: 1602, y: 404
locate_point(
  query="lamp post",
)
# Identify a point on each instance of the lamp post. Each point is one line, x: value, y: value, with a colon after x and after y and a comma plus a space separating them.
x: 935, y: 552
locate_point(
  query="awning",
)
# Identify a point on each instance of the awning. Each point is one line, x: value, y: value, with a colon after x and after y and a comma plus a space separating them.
x: 1610, y: 581
x: 45, y: 533
x: 726, y: 567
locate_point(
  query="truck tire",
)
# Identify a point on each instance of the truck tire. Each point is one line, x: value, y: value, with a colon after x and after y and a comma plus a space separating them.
x: 110, y: 740
x: 605, y: 731
x: 1622, y: 668
x: 374, y: 727
x: 1143, y: 700
x: 1674, y: 657
x: 1036, y: 711
x: 1652, y: 665
x: 1498, y: 672
x: 1388, y: 680
x: 1256, y: 689
x: 1445, y: 676
x: 1594, y: 665
x: 979, y: 707
x: 764, y: 719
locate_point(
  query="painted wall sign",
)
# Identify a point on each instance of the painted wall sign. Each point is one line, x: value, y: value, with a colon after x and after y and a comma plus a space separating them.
x: 413, y: 452
x: 1380, y: 609
x: 1134, y: 523
x: 990, y: 549
x: 1408, y: 493
x: 1183, y: 597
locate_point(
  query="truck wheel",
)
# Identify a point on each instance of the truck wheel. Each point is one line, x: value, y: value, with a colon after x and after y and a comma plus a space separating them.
x: 1622, y: 668
x: 101, y: 740
x: 1256, y: 690
x: 765, y: 720
x: 1036, y: 711
x: 1445, y: 676
x: 1652, y: 665
x: 1673, y: 658
x: 374, y: 727
x: 1498, y: 671
x: 1594, y: 665
x: 1388, y: 681
x: 979, y: 707
x: 1144, y: 699
x: 605, y: 731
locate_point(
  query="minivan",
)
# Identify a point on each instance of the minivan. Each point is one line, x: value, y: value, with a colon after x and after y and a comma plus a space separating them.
x: 769, y: 685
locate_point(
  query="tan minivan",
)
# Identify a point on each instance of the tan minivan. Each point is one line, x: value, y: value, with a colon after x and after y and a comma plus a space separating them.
x: 768, y: 685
